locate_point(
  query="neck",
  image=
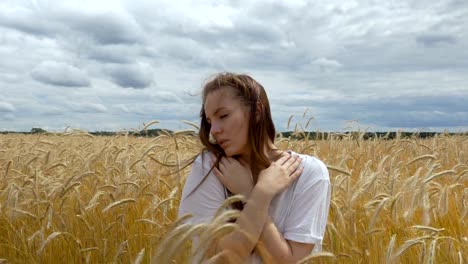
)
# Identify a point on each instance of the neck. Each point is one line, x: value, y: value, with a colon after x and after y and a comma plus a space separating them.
x: 273, y: 152
x: 270, y: 151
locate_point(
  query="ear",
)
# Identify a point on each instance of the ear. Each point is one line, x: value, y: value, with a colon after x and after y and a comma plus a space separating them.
x: 259, y: 111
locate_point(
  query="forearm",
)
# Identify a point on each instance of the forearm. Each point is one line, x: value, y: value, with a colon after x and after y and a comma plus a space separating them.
x: 275, y: 244
x: 251, y: 221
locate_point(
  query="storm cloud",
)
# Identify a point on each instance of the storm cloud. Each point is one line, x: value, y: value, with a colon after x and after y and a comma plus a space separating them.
x: 118, y: 64
x: 61, y: 74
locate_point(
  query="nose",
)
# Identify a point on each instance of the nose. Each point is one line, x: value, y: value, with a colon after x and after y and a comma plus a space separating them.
x: 215, y: 129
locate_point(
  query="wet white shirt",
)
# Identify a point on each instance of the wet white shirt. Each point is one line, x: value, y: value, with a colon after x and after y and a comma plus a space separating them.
x: 299, y: 212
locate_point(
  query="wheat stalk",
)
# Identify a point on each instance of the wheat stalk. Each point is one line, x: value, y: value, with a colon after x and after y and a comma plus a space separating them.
x: 422, y: 157
x: 139, y: 257
x: 117, y: 203
x: 52, y: 237
x: 337, y: 169
x: 442, y: 173
x: 317, y: 255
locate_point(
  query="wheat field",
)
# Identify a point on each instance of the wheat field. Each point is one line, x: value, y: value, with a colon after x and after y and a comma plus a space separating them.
x: 77, y: 198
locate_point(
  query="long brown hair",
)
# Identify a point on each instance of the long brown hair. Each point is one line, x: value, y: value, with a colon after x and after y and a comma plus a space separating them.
x: 261, y: 129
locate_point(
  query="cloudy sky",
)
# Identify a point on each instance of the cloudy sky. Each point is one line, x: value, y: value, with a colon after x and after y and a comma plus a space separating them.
x: 111, y: 65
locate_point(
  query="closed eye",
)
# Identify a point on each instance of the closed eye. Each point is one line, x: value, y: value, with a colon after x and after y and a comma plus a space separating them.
x: 223, y: 116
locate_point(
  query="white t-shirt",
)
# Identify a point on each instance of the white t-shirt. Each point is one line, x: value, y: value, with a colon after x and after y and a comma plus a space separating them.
x: 300, y: 212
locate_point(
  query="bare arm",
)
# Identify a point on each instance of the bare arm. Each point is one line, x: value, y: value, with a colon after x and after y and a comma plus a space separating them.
x: 281, y: 249
x: 251, y: 220
x: 253, y: 217
x: 309, y: 212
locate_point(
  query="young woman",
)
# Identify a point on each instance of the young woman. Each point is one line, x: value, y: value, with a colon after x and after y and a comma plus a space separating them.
x: 288, y: 194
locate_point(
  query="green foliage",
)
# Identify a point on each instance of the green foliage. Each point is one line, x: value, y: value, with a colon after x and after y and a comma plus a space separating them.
x: 311, y: 135
x: 36, y: 130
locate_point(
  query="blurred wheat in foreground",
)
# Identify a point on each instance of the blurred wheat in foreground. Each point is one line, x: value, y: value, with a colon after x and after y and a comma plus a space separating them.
x: 78, y: 198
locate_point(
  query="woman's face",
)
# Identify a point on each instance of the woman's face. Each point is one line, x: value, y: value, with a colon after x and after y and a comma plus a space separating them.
x: 229, y: 121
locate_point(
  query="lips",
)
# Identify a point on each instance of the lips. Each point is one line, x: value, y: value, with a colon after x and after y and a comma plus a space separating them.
x: 222, y: 142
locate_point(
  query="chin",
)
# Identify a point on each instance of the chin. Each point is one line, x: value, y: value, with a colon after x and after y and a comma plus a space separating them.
x: 230, y: 153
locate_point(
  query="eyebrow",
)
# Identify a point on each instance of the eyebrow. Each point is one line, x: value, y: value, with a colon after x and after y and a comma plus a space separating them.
x: 217, y: 110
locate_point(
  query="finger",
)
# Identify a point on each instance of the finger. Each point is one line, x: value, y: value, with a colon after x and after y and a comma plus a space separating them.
x: 222, y: 164
x: 294, y: 163
x: 296, y: 174
x: 243, y: 162
x: 236, y: 161
x: 228, y: 160
x: 283, y: 159
x: 295, y: 166
x: 290, y: 161
x: 214, y: 159
x: 219, y: 175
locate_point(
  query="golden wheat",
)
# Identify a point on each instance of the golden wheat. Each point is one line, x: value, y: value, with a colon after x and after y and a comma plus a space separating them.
x: 95, y: 199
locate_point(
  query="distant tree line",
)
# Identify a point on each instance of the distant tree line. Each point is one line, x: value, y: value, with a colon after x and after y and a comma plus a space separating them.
x: 288, y: 134
x: 362, y: 135
x: 148, y: 132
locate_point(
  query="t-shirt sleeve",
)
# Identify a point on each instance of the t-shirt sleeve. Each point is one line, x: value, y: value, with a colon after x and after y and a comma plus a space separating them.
x: 201, y: 197
x: 307, y: 218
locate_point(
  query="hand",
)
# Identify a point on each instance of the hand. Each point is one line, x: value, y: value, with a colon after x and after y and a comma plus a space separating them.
x: 280, y: 174
x: 235, y: 175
